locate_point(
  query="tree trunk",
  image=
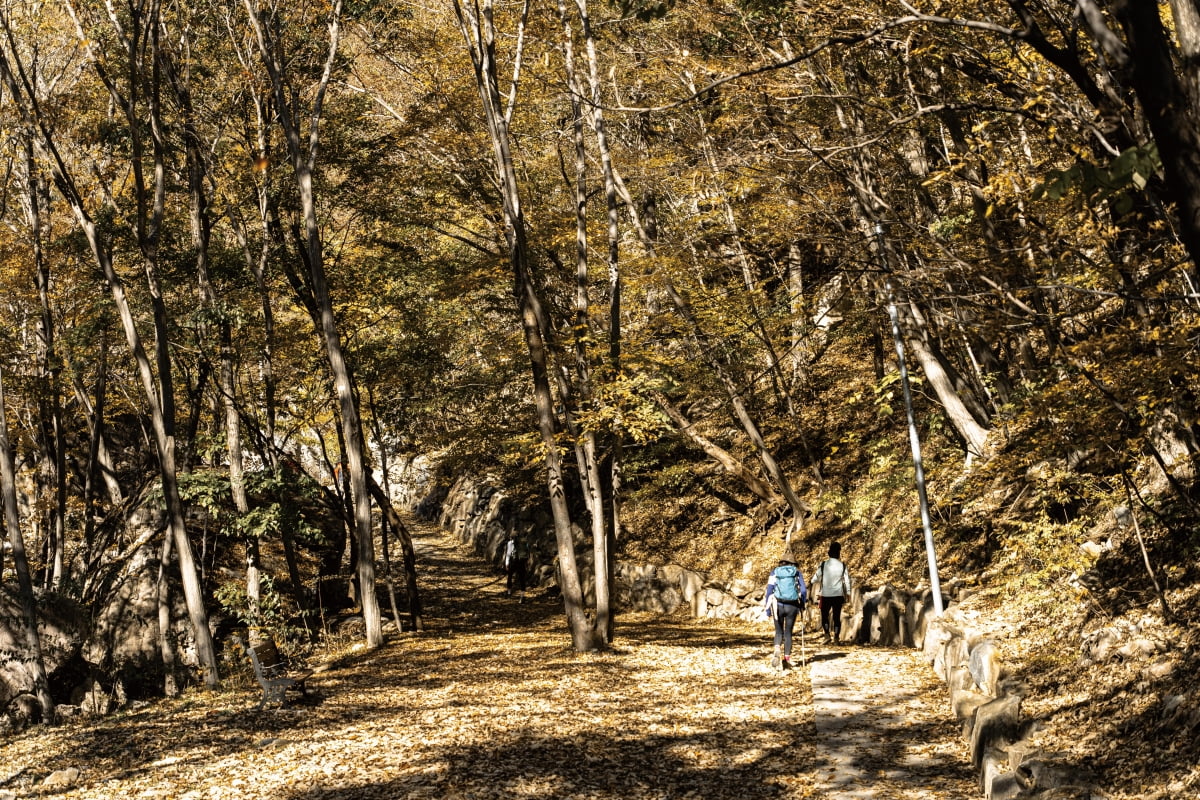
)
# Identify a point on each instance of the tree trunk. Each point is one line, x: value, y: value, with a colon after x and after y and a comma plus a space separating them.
x: 410, y: 554
x: 303, y: 156
x: 391, y: 521
x: 728, y: 462
x: 12, y: 522
x: 166, y: 649
x: 52, y: 474
x: 613, y: 237
x: 1171, y: 104
x: 585, y: 440
x: 974, y: 433
x: 800, y: 510
x: 158, y: 394
x: 479, y: 36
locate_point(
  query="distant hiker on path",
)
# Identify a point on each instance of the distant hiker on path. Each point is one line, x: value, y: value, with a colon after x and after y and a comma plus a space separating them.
x: 786, y: 594
x: 835, y: 588
x: 515, y: 553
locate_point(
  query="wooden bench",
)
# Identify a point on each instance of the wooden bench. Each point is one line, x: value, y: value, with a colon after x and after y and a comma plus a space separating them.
x: 271, y: 671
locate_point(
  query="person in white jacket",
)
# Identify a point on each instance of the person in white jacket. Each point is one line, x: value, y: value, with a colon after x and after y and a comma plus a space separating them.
x: 515, y: 555
x: 835, y: 590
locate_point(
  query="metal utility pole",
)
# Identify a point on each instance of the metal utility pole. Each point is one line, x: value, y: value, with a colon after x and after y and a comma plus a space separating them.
x: 914, y: 440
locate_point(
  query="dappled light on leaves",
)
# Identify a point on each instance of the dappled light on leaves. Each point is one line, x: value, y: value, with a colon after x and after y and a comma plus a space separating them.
x: 488, y: 703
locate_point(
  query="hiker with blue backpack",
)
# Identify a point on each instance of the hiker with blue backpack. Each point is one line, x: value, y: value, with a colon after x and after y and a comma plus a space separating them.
x: 785, y: 598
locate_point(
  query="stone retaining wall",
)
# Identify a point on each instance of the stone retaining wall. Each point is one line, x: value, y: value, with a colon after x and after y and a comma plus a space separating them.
x: 482, y: 517
x: 981, y: 694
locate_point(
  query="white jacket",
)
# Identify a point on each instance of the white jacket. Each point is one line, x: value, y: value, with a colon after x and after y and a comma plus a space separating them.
x: 833, y: 577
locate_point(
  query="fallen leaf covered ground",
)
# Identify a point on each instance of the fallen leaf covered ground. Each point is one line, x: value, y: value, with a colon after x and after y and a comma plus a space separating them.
x: 491, y: 702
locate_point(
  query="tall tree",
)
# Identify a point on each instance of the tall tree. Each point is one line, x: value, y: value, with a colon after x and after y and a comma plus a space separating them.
x: 477, y: 26
x: 303, y: 147
x: 158, y: 389
x: 16, y: 540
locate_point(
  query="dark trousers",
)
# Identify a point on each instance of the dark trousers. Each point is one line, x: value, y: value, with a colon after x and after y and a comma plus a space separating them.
x: 516, y: 577
x: 785, y: 623
x: 831, y: 614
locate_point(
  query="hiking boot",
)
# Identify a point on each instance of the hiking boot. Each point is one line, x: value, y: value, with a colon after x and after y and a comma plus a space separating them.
x: 775, y: 661
x: 787, y: 663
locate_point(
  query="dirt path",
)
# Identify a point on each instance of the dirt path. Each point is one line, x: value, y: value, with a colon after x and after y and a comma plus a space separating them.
x: 490, y: 702
x: 885, y: 727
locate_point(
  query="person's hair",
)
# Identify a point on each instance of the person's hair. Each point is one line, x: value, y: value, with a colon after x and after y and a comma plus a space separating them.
x: 835, y: 550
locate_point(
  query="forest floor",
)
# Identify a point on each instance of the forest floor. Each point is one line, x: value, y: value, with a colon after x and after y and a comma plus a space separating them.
x: 491, y: 702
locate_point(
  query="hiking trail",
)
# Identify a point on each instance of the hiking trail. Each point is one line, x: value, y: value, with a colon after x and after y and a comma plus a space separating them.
x: 491, y: 702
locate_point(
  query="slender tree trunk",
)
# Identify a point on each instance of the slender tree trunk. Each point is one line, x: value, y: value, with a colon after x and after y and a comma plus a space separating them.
x: 800, y: 509
x: 257, y: 266
x: 728, y: 462
x: 27, y: 106
x: 1171, y: 105
x: 94, y: 438
x: 585, y: 440
x: 410, y: 554
x: 12, y: 522
x: 940, y: 378
x: 166, y: 649
x: 613, y: 237
x: 52, y: 474
x: 479, y: 36
x: 103, y: 466
x: 303, y: 157
x: 385, y: 525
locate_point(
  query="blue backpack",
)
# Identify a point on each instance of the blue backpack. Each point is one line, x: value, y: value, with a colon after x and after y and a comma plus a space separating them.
x: 787, y: 587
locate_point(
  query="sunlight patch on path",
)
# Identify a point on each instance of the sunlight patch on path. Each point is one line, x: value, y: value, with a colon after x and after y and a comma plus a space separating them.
x: 884, y: 728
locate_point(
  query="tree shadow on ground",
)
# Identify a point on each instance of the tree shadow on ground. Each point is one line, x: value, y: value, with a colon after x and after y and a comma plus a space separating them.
x: 603, y: 765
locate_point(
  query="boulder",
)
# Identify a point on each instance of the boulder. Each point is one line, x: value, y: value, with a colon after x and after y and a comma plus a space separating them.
x: 918, y: 612
x: 882, y: 618
x: 937, y: 633
x: 996, y: 781
x: 61, y: 780
x: 954, y: 653
x: 124, y: 640
x: 23, y: 710
x: 964, y: 703
x: 743, y: 587
x: 690, y: 584
x: 1040, y: 774
x: 60, y: 624
x: 90, y: 698
x: 960, y: 678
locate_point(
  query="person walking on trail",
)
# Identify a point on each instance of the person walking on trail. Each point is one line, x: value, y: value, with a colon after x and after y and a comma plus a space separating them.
x: 784, y: 600
x: 515, y: 554
x: 835, y: 589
